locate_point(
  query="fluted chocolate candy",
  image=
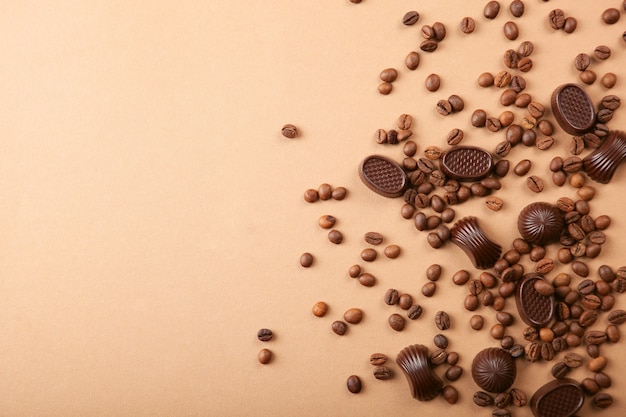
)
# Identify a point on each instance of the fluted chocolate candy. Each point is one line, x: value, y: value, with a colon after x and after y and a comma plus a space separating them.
x: 383, y: 176
x: 573, y: 109
x: 466, y: 163
x: 423, y: 381
x: 557, y: 398
x: 600, y: 165
x: 494, y: 370
x: 540, y: 223
x: 468, y: 235
x: 534, y: 309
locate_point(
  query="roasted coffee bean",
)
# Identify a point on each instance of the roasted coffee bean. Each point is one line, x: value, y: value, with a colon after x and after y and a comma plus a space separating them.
x: 494, y: 203
x: 572, y: 360
x: 507, y: 342
x: 405, y: 301
x: 570, y: 24
x: 320, y: 309
x: 369, y: 254
x: 367, y: 280
x: 482, y: 399
x: 392, y: 296
x: 517, y: 8
x: 602, y: 379
x: 582, y: 61
x: 456, y: 102
x: 264, y: 335
x: 530, y: 334
x: 502, y: 79
x: 506, y: 118
x: 601, y: 130
x: 471, y: 302
x: 438, y: 356
x: 517, y: 351
x: 506, y: 319
x: 610, y: 102
x: 311, y: 195
x: 339, y: 327
x: 518, y: 83
x: 440, y: 341
x: 354, y: 271
x: 325, y: 192
x: 354, y: 384
x: 503, y: 148
x: 529, y: 137
x: 593, y: 351
x: 385, y: 88
x: 595, y: 337
x: 604, y: 115
x: 617, y: 317
x: 454, y: 137
x: 610, y: 16
x: 580, y: 268
x: 511, y: 31
x: 353, y: 315
x: 382, y: 373
x: 444, y: 107
x: 522, y: 167
x: 429, y: 289
x: 602, y: 400
x: 501, y: 169
x: 378, y: 359
x: 439, y: 30
x: 589, y: 386
x: 556, y: 19
x: 409, y: 164
x: 392, y: 137
x: 547, y: 352
x: 264, y: 356
x: 289, y: 131
x: 453, y: 373
x: 479, y: 118
x: 597, y: 364
x: 410, y: 18
x: 433, y: 272
x: 429, y: 45
x: 508, y: 97
x: 532, y: 351
x: 461, y: 277
x: 409, y: 148
x: 388, y: 75
x: 453, y: 358
x: 588, y: 77
x: 428, y: 32
x: 502, y: 400
x: 518, y: 397
x: 477, y: 322
x: 396, y: 322
x: 414, y: 312
x: 544, y: 142
x: 497, y: 331
x: 602, y: 52
x: 412, y: 60
x: 306, y: 260
x: 467, y: 25
x: 442, y: 320
x: 491, y: 9
x: 560, y: 370
x: 588, y: 318
x: 534, y: 184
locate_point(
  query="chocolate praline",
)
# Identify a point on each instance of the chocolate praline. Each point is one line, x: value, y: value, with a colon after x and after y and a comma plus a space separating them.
x: 494, y: 370
x: 540, y: 223
x: 415, y: 363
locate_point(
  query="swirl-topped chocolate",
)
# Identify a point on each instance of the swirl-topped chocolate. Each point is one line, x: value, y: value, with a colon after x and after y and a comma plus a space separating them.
x: 540, y: 223
x: 468, y: 235
x: 494, y: 370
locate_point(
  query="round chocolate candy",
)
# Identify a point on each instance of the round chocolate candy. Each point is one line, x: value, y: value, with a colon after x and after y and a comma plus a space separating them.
x: 540, y: 223
x: 423, y: 381
x: 494, y: 370
x: 558, y: 398
x: 383, y: 176
x: 573, y: 109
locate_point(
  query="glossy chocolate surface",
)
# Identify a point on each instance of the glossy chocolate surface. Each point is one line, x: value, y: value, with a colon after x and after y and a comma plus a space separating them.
x: 540, y: 223
x: 557, y: 398
x: 383, y: 176
x: 415, y: 364
x: 601, y: 164
x: 466, y: 163
x: 573, y: 109
x: 494, y: 370
x: 468, y: 235
x: 534, y: 309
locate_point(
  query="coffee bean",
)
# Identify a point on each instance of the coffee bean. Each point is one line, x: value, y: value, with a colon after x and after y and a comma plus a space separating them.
x: 560, y: 370
x: 502, y: 400
x: 339, y: 327
x: 517, y: 351
x: 264, y: 335
x: 311, y: 195
x: 354, y: 384
x: 450, y: 394
x: 602, y: 379
x: 320, y: 309
x: 392, y: 251
x: 369, y: 254
x: 486, y: 79
x: 467, y: 25
x: 433, y: 272
x: 454, y: 372
x: 367, y: 280
x: 429, y: 46
x: 414, y: 312
x: 494, y: 203
x: 354, y: 271
x: 335, y: 236
x: 306, y: 260
x: 442, y: 320
x: 382, y: 373
x: 324, y: 192
x: 439, y: 30
x: 589, y: 386
x: 412, y: 60
x: 511, y: 31
x: 396, y: 322
x: 602, y: 400
x: 491, y: 9
x: 501, y: 169
x: 544, y: 142
x: 518, y: 397
x: 265, y: 356
x: 534, y: 184
x: 595, y: 337
x: 518, y: 84
x: 289, y: 131
x: 508, y: 97
x: 339, y: 193
x: 517, y: 8
x: 522, y: 167
x: 385, y: 88
x: 529, y: 137
x: 440, y: 341
x: 610, y: 102
x: 493, y: 124
x: 570, y: 24
x: 378, y: 359
x: 434, y: 240
x: 532, y: 351
x: 405, y: 301
x: 582, y: 61
x: 461, y: 277
x: 456, y: 102
x: 439, y: 356
x: 410, y: 18
x: 482, y: 399
x: 353, y: 315
x: 444, y: 107
x: 556, y: 19
x: 388, y: 75
x: 503, y: 148
x: 602, y: 52
x: 471, y: 302
x: 479, y: 118
x: 588, y: 77
x: 617, y: 317
x: 580, y: 268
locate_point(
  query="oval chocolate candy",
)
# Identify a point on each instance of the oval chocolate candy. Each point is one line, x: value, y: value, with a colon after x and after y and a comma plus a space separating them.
x: 467, y: 234
x: 466, y: 163
x: 534, y: 309
x: 558, y: 398
x: 573, y: 109
x: 415, y: 364
x: 383, y: 176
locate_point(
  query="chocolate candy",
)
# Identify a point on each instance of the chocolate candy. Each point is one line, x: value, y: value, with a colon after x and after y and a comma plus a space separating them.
x: 423, y: 381
x: 466, y: 163
x: 383, y: 176
x: 534, y: 309
x: 540, y: 223
x: 573, y: 109
x: 600, y: 165
x: 468, y: 235
x: 494, y: 370
x: 558, y: 398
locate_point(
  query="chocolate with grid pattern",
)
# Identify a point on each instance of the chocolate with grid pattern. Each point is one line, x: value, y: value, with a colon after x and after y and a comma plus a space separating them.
x: 558, y: 398
x: 573, y: 109
x: 535, y: 309
x: 466, y: 163
x: 383, y: 176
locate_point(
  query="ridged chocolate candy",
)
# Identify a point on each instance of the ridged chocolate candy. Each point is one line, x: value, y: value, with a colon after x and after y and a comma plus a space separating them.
x: 558, y: 398
x: 494, y: 370
x: 573, y: 109
x: 466, y: 163
x: 534, y: 309
x: 600, y: 165
x: 468, y: 235
x: 423, y: 381
x: 540, y: 223
x: 383, y: 176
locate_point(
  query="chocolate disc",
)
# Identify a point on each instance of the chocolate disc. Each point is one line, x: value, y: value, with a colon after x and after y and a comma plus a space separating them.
x: 540, y: 223
x: 573, y: 109
x: 466, y: 163
x: 534, y: 309
x: 468, y: 235
x: 601, y: 164
x: 557, y: 398
x: 494, y: 370
x: 383, y: 176
x: 423, y: 381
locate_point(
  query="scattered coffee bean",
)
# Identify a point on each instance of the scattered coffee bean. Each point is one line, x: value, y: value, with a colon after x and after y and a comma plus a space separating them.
x: 602, y: 52
x: 382, y: 373
x: 491, y: 9
x: 264, y: 335
x: 385, y: 88
x: 494, y: 203
x: 396, y: 322
x: 354, y: 384
x: 453, y: 373
x: 265, y: 356
x: 608, y: 80
x: 410, y: 18
x: 610, y: 16
x: 450, y: 394
x: 511, y: 31
x: 388, y: 75
x: 306, y: 259
x: 429, y: 289
x: 467, y: 25
x: 522, y: 167
x: 378, y: 359
x: 556, y: 19
x: 517, y: 8
x: 289, y: 131
x: 414, y: 312
x: 442, y: 320
x: 588, y: 77
x: 412, y: 60
x: 354, y: 271
x: 335, y: 236
x: 482, y: 399
x: 353, y: 315
x: 570, y: 24
x: 602, y: 400
x: 367, y: 280
x: 534, y: 184
x: 320, y: 309
x: 369, y: 254
x: 339, y: 327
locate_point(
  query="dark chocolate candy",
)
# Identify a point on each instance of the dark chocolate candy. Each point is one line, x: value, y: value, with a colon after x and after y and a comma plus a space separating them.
x: 494, y: 370
x: 573, y: 109
x: 540, y: 223
x: 423, y: 381
x: 558, y: 398
x: 600, y: 165
x: 468, y: 235
x: 534, y: 309
x: 466, y: 163
x: 383, y: 176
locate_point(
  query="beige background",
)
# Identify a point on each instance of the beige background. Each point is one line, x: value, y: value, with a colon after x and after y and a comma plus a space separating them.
x: 152, y: 214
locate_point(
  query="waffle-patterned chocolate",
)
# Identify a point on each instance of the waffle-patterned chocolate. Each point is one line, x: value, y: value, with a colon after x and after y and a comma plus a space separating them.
x: 466, y: 163
x: 573, y: 109
x: 383, y: 176
x: 535, y: 309
x: 423, y: 381
x: 468, y: 235
x: 557, y: 398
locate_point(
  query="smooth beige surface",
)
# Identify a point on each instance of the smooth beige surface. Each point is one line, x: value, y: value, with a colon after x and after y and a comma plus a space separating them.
x: 152, y: 215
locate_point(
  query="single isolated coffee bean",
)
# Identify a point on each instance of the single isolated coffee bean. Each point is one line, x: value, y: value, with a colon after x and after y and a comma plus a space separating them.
x: 353, y: 315
x: 602, y: 52
x: 442, y: 320
x: 289, y: 131
x: 373, y: 238
x: 608, y: 80
x: 335, y: 236
x: 491, y: 9
x: 306, y: 260
x: 388, y: 75
x: 410, y: 18
x: 610, y: 16
x: 354, y: 384
x: 412, y: 60
x: 511, y: 31
x: 265, y: 356
x: 432, y: 82
x: 516, y: 8
x: 570, y: 24
x: 320, y: 309
x: 264, y: 335
x: 467, y: 25
x: 339, y: 327
x: 582, y: 61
